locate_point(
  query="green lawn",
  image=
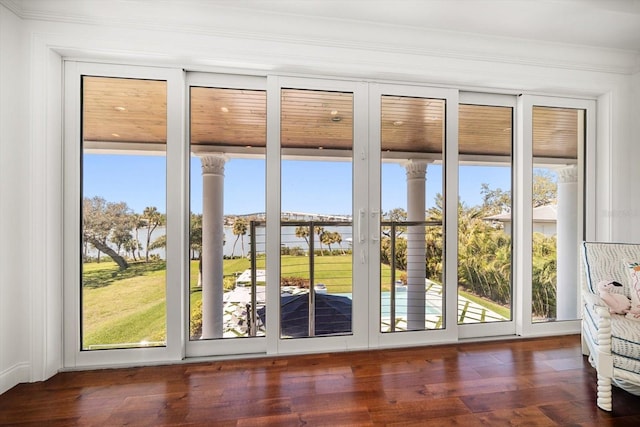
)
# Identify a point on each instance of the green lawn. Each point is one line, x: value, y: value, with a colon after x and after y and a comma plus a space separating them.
x: 126, y: 308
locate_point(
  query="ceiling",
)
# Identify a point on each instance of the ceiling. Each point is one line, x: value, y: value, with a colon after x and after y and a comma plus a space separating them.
x: 120, y: 113
x: 613, y: 24
x: 610, y: 24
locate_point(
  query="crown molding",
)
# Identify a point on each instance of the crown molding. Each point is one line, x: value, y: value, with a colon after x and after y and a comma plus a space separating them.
x: 13, y: 5
x: 287, y: 29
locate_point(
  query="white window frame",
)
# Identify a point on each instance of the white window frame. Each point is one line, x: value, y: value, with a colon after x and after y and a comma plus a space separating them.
x: 503, y: 328
x: 359, y: 338
x: 523, y: 212
x: 449, y: 332
x: 222, y: 346
x: 176, y: 218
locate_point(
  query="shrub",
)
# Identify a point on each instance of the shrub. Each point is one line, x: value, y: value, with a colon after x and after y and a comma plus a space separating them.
x: 195, y: 324
x: 299, y: 282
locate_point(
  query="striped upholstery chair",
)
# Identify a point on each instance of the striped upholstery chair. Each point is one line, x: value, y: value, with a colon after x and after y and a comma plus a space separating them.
x: 612, y: 341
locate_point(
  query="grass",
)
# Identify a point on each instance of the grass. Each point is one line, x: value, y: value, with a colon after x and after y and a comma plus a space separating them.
x: 128, y: 308
x: 500, y: 309
x: 97, y: 275
x: 122, y: 308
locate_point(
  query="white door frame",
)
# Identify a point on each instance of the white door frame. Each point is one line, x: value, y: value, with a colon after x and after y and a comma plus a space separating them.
x: 449, y: 332
x: 503, y: 328
x: 176, y: 183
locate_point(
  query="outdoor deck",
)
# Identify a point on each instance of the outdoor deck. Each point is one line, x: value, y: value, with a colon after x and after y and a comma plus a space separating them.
x: 236, y: 301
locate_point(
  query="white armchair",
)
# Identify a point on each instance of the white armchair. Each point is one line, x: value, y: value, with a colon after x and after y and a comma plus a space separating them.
x: 612, y: 341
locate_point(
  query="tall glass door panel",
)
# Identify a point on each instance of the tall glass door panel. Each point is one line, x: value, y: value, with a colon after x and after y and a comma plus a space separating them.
x: 316, y: 234
x: 557, y: 218
x: 124, y: 139
x: 227, y: 255
x: 412, y: 137
x: 485, y: 291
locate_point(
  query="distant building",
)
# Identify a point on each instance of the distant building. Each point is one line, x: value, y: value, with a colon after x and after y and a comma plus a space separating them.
x: 544, y: 220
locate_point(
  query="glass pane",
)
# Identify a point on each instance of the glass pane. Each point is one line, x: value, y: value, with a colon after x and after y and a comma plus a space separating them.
x: 123, y: 212
x: 558, y: 136
x: 317, y: 169
x: 484, y: 214
x: 411, y: 240
x: 227, y: 238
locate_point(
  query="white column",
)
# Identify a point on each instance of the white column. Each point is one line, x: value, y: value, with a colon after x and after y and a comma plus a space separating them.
x: 212, y: 244
x: 567, y: 245
x: 416, y: 247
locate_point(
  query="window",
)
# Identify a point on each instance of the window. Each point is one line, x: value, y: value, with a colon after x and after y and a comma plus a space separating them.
x: 123, y: 212
x: 227, y: 241
x: 557, y: 220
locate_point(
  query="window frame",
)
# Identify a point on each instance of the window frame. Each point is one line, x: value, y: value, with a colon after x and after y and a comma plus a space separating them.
x: 73, y: 356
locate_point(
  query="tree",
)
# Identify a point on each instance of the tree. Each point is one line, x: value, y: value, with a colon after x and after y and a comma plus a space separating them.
x: 336, y: 237
x: 495, y: 201
x: 394, y: 215
x: 330, y: 237
x: 434, y: 240
x: 152, y: 219
x: 544, y: 192
x: 99, y: 219
x: 239, y: 230
x: 131, y: 246
x: 139, y: 224
x: 544, y: 275
x: 484, y: 256
x: 302, y: 232
x: 195, y: 237
x: 319, y: 231
x: 160, y: 242
x: 400, y: 252
x: 545, y: 188
x: 121, y: 235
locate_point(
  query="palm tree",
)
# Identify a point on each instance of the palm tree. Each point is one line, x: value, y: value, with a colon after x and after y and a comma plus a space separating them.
x: 153, y: 219
x: 326, y: 238
x: 337, y: 238
x: 319, y: 231
x: 239, y: 230
x: 302, y: 232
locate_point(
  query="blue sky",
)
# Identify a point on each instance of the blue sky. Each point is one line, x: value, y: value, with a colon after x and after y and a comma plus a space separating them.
x: 318, y: 187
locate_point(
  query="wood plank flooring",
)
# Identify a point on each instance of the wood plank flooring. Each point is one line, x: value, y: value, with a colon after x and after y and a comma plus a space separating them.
x: 537, y: 382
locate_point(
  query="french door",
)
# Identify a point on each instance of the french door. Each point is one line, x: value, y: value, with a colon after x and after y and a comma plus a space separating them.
x: 336, y: 259
x: 412, y: 154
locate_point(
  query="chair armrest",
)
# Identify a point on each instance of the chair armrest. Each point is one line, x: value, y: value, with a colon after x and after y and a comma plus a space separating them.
x: 593, y: 301
x: 599, y: 312
x: 599, y: 324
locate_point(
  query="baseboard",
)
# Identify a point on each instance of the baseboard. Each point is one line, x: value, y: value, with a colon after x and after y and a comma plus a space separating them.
x: 14, y: 375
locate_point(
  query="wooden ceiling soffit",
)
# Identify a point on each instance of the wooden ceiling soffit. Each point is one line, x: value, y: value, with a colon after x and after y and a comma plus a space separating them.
x: 485, y: 130
x: 312, y: 119
x: 412, y: 125
x: 129, y: 110
x: 228, y: 117
x: 119, y: 111
x: 556, y: 132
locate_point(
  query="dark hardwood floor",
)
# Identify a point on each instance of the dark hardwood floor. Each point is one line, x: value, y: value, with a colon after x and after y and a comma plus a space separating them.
x: 537, y: 382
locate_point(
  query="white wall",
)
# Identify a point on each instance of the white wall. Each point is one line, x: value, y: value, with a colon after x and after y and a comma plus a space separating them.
x: 226, y: 40
x: 15, y: 262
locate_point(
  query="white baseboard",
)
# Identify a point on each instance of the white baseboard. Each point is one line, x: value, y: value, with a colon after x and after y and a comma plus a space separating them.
x: 14, y: 375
